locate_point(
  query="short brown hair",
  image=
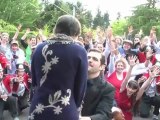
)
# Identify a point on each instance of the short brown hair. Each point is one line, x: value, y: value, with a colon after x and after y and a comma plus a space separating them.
x: 68, y: 25
x: 123, y: 60
x: 102, y: 56
x: 133, y: 84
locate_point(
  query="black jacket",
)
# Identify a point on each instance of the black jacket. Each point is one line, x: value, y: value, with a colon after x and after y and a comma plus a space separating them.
x: 98, y: 99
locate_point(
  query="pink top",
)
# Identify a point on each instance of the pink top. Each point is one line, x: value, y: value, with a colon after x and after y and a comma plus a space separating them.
x: 125, y: 103
x: 116, y: 83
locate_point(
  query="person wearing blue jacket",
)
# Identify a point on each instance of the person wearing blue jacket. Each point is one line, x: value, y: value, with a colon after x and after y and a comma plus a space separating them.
x: 59, y: 74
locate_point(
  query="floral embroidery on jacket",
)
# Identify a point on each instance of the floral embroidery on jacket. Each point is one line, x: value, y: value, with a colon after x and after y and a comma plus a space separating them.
x: 47, y: 66
x: 53, y: 100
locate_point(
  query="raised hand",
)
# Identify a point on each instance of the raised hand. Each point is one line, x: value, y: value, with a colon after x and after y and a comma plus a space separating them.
x: 20, y: 79
x: 113, y: 47
x: 19, y: 26
x: 28, y: 30
x: 142, y: 79
x: 84, y: 118
x: 153, y: 34
x: 4, y: 97
x: 40, y: 32
x: 30, y: 80
x: 155, y: 70
x: 158, y: 83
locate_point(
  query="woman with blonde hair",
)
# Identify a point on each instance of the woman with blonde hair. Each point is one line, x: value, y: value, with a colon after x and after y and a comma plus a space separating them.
x: 116, y: 74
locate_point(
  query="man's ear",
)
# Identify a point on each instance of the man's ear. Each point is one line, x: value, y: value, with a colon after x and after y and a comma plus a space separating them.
x: 102, y: 67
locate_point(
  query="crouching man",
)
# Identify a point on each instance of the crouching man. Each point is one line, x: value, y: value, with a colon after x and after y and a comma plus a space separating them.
x: 99, y: 96
x: 7, y: 101
x: 23, y: 79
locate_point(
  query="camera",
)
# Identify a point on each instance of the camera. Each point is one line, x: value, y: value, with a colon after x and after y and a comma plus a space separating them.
x: 14, y: 80
x: 15, y: 56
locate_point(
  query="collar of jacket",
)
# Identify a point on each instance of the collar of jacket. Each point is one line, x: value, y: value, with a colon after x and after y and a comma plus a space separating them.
x: 94, y: 80
x: 61, y: 38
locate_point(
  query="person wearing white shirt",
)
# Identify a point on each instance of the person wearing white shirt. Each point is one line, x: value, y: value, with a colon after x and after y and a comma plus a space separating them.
x: 15, y: 56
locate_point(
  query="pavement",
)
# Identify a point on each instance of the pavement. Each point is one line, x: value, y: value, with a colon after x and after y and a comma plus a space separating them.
x: 24, y: 114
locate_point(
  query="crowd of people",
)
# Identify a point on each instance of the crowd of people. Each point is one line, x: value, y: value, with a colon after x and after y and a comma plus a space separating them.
x: 15, y: 71
x: 70, y: 77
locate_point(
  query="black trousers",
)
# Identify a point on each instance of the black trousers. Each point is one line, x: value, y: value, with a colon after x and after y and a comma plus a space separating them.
x: 11, y: 105
x: 23, y: 101
x: 146, y: 104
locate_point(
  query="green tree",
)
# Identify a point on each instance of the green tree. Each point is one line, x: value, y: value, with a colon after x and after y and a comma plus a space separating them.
x: 98, y: 20
x: 84, y: 16
x: 144, y: 17
x: 101, y: 20
x: 19, y: 11
x: 151, y: 3
x: 119, y: 26
x: 6, y: 27
x: 51, y: 13
x: 106, y: 20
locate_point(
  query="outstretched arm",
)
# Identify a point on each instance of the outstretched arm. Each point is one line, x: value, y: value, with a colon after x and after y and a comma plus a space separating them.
x: 132, y: 62
x: 17, y: 32
x: 145, y: 85
x: 42, y: 36
x: 24, y: 44
x: 25, y: 34
x: 113, y: 57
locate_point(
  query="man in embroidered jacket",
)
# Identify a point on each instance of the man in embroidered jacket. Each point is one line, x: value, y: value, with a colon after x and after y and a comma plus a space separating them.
x: 59, y: 74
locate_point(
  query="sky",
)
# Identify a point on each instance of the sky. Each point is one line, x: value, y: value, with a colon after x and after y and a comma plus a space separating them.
x: 112, y: 6
x: 125, y: 7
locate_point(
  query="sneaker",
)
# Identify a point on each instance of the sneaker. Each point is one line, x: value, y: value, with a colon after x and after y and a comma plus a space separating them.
x: 155, y: 117
x: 16, y: 118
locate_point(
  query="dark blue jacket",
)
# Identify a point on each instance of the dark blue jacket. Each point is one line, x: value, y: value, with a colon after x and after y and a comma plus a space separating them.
x: 59, y: 73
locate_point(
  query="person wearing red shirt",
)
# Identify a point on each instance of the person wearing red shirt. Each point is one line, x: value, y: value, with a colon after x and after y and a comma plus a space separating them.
x: 23, y: 78
x: 130, y: 92
x: 151, y: 97
x: 7, y: 101
x: 3, y: 61
x: 117, y: 77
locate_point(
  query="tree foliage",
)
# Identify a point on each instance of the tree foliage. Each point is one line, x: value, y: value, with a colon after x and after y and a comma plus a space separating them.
x: 101, y: 20
x: 7, y: 27
x: 119, y: 26
x: 51, y: 13
x: 30, y: 14
x: 19, y: 11
x: 84, y: 16
x: 144, y: 17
